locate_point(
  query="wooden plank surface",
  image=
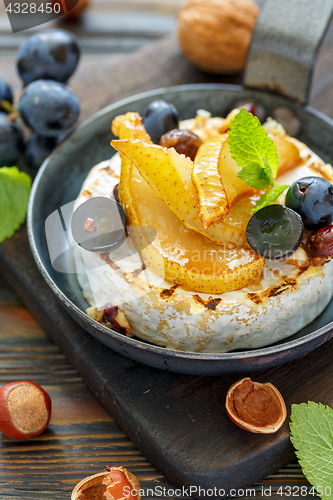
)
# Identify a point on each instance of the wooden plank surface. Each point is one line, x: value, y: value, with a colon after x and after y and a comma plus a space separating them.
x: 106, y: 26
x: 82, y: 437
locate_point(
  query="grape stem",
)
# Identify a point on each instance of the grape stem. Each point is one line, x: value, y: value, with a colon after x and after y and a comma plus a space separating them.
x: 10, y: 109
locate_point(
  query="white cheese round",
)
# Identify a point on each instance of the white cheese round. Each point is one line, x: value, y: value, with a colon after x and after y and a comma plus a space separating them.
x: 284, y: 300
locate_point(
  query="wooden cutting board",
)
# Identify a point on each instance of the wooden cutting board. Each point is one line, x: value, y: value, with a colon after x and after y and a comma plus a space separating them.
x: 177, y: 421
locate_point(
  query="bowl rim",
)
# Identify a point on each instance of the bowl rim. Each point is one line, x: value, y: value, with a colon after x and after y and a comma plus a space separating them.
x: 134, y: 342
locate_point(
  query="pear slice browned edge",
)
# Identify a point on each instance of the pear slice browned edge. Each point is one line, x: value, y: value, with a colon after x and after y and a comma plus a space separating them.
x: 206, y: 177
x: 128, y: 126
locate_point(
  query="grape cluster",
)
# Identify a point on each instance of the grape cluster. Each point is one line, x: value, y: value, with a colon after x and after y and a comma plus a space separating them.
x: 47, y: 105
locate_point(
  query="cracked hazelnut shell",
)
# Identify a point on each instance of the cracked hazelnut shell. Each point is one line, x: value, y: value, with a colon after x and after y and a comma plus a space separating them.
x: 256, y: 407
x: 108, y: 485
x: 215, y: 34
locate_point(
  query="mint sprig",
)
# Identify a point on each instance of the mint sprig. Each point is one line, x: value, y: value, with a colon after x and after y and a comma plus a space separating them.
x: 15, y: 188
x: 256, y: 154
x: 271, y: 194
x: 311, y: 429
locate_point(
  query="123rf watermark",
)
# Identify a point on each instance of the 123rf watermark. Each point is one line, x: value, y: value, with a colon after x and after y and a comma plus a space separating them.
x: 26, y: 14
x: 259, y: 492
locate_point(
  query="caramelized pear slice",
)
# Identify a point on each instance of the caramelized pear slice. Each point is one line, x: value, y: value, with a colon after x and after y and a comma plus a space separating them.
x: 288, y: 153
x: 207, y: 180
x: 180, y: 255
x: 128, y: 126
x: 233, y: 185
x: 169, y: 175
x: 188, y: 258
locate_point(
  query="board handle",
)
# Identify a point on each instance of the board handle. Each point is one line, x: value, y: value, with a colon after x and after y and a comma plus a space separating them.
x: 284, y: 45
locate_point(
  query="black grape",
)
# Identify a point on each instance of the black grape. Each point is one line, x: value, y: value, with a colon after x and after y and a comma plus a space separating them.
x: 275, y: 232
x: 50, y: 55
x: 312, y: 199
x: 49, y: 108
x: 38, y: 149
x: 159, y: 118
x: 11, y: 141
x: 5, y: 94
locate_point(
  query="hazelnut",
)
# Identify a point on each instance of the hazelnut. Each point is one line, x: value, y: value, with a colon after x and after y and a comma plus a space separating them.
x: 185, y: 142
x: 114, y: 483
x: 256, y: 407
x: 215, y: 34
x: 25, y: 410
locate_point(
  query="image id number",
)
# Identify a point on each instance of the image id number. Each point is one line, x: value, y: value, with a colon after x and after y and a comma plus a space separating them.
x: 33, y: 8
x: 303, y: 491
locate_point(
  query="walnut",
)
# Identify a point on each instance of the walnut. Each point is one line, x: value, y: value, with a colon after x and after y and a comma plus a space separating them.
x: 215, y: 34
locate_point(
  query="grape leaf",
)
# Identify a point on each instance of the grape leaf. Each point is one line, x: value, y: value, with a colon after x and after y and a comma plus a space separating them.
x: 311, y: 429
x: 15, y: 188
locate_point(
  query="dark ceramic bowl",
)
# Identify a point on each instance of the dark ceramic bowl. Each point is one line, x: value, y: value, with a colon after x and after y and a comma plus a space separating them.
x: 59, y: 181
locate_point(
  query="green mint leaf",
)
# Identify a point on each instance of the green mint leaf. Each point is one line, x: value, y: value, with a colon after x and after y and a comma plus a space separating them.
x: 251, y: 147
x: 268, y: 171
x: 255, y: 176
x: 15, y: 188
x: 270, y: 196
x: 311, y: 429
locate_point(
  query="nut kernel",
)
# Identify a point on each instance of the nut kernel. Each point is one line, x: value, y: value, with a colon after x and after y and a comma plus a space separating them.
x: 256, y: 407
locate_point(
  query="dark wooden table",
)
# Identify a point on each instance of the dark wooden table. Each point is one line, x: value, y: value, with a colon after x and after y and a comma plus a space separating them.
x: 82, y: 438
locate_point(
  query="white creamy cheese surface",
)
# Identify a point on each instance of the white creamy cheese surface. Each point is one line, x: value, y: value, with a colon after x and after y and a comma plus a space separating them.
x: 282, y: 302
